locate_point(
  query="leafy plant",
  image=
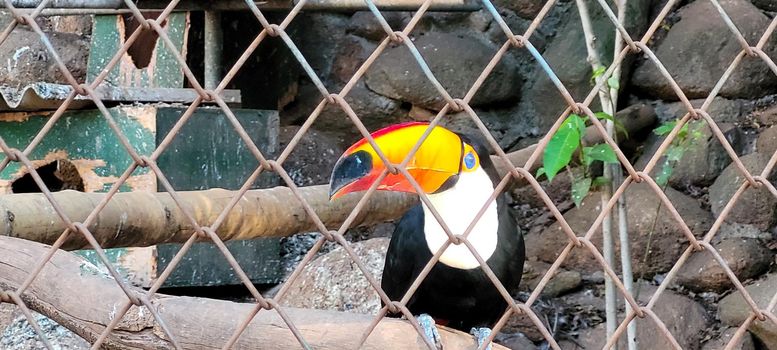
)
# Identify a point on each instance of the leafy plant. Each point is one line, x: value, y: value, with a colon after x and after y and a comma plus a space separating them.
x: 612, y: 81
x: 562, y: 146
x: 688, y: 134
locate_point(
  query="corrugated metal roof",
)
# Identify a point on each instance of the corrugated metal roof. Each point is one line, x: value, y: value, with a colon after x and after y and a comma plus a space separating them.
x: 49, y: 96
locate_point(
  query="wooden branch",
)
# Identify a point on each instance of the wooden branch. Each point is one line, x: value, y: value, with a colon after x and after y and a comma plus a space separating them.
x: 80, y: 297
x: 138, y: 219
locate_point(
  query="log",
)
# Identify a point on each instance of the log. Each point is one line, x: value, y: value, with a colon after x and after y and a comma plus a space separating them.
x: 139, y: 219
x: 80, y: 297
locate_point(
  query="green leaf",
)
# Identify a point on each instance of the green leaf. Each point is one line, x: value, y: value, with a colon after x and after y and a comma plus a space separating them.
x: 664, y: 174
x: 601, y: 152
x: 604, y: 116
x: 618, y: 125
x: 683, y: 132
x: 597, y: 73
x: 600, y: 181
x: 562, y: 145
x: 613, y: 83
x: 586, y: 156
x: 540, y: 172
x: 665, y: 128
x: 580, y: 188
x: 579, y: 123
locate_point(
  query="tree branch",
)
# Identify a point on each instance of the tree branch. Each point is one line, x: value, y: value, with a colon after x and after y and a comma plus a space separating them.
x: 78, y: 296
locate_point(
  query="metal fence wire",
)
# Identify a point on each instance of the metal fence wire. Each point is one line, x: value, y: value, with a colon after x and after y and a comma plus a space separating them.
x: 577, y: 240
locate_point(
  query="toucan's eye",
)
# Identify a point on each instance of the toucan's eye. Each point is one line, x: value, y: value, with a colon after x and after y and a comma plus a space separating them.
x: 469, y: 160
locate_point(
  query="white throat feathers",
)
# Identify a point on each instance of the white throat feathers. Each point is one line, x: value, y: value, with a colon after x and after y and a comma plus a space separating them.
x: 458, y: 206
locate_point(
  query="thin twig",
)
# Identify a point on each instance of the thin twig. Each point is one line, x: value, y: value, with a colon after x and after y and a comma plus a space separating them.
x: 608, y: 100
x: 623, y: 224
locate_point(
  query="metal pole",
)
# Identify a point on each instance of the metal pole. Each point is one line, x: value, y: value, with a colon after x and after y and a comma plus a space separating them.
x: 213, y: 45
x: 239, y: 5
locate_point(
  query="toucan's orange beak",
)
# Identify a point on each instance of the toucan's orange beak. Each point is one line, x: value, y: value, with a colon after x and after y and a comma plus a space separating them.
x: 437, y: 161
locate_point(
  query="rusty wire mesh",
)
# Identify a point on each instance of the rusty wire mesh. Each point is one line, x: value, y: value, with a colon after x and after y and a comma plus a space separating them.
x: 517, y: 171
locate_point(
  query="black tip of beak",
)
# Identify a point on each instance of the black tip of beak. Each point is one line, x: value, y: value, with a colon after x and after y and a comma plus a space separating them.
x: 349, y: 169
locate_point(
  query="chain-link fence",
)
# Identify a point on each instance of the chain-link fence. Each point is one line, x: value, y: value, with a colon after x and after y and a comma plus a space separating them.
x: 512, y: 41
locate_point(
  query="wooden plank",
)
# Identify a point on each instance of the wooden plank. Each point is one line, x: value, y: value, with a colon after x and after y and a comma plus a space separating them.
x: 208, y: 153
x: 163, y: 70
x: 84, y: 139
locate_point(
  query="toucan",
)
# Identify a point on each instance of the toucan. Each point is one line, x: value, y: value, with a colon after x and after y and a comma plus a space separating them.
x: 457, y: 175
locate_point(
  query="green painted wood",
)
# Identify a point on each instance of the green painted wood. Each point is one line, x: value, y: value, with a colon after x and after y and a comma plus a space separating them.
x: 164, y: 71
x: 82, y: 137
x: 209, y: 153
x: 85, y: 139
x: 206, y: 153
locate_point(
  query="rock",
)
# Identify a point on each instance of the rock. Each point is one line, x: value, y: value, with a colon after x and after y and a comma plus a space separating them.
x: 704, y: 159
x: 589, y: 301
x: 767, y: 141
x: 525, y: 8
x: 312, y: 160
x: 81, y: 25
x: 722, y: 110
x: 6, y: 315
x: 566, y: 54
x: 684, y: 317
x: 515, y: 341
x: 564, y: 281
x: 396, y: 73
x: 686, y: 47
x: 720, y: 342
x: 333, y: 282
x: 746, y: 257
x: 443, y: 22
x: 733, y: 310
x: 374, y: 110
x: 319, y: 39
x: 518, y: 24
x: 559, y: 190
x: 351, y: 54
x: 766, y: 5
x: 765, y: 116
x: 735, y: 230
x: 19, y: 335
x: 707, y: 157
x: 480, y: 21
x: 561, y: 283
x: 668, y: 241
x: 756, y: 206
x: 365, y: 25
x: 28, y: 61
x: 596, y: 277
x: 567, y: 313
x: 495, y: 121
x: 522, y: 324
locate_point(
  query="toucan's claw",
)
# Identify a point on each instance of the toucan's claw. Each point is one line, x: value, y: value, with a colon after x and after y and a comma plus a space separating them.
x: 481, y: 334
x: 430, y: 330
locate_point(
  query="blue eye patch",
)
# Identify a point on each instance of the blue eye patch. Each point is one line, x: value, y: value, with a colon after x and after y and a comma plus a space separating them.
x: 469, y: 160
